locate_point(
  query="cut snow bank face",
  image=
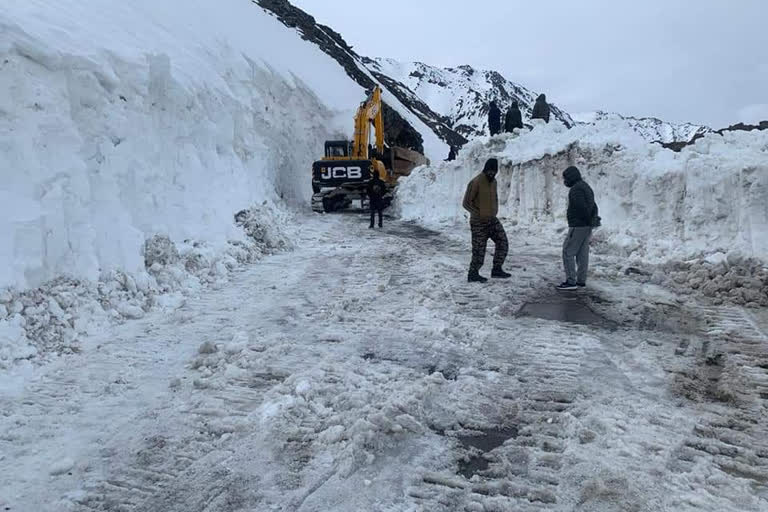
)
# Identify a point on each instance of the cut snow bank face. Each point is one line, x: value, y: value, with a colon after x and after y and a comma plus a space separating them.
x: 122, y: 121
x: 655, y: 204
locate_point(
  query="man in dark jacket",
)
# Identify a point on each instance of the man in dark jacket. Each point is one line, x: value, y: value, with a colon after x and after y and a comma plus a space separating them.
x: 582, y: 217
x: 481, y: 200
x: 376, y: 190
x: 514, y: 118
x: 494, y: 119
x: 541, y: 108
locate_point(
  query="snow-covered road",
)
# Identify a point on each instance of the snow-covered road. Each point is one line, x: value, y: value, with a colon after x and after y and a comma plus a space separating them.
x: 360, y: 372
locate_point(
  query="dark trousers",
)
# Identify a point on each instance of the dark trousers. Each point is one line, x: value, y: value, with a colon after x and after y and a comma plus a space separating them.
x: 482, y: 230
x: 377, y: 207
x: 576, y: 254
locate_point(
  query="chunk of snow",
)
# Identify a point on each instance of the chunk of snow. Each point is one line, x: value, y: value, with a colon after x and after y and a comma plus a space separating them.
x: 303, y: 388
x: 129, y: 310
x: 208, y: 347
x: 61, y: 466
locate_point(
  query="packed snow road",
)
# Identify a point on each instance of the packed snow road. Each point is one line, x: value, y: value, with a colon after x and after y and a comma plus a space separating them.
x: 360, y: 372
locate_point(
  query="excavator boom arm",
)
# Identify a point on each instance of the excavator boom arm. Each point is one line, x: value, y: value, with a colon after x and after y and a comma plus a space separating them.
x: 369, y: 113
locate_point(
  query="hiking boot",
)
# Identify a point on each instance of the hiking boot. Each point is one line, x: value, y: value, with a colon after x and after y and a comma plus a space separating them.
x: 370, y: 227
x: 566, y: 286
x: 475, y: 277
x: 500, y: 274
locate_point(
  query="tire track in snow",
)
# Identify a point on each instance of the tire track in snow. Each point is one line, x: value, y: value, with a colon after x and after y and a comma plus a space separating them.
x: 732, y: 436
x: 525, y: 471
x: 203, y: 449
x: 181, y: 480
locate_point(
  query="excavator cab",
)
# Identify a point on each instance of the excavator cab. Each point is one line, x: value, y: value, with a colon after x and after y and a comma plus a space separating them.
x: 337, y: 149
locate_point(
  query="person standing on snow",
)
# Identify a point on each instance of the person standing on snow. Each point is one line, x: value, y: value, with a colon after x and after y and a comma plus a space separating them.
x: 514, y: 118
x: 376, y: 189
x: 582, y: 217
x: 541, y: 108
x: 494, y: 119
x: 482, y: 202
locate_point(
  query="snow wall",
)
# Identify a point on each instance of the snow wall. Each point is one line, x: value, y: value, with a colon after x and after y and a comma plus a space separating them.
x: 656, y: 205
x: 122, y: 120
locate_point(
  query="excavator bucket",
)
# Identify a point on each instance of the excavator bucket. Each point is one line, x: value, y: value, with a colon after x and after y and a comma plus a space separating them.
x: 404, y: 160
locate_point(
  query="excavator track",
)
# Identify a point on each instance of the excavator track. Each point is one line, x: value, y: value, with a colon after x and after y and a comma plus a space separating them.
x: 317, y: 203
x: 329, y: 201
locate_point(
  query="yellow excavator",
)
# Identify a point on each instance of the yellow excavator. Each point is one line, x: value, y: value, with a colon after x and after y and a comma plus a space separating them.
x: 341, y: 176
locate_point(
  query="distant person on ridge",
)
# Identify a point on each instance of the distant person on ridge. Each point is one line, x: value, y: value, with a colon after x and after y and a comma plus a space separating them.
x: 494, y: 119
x: 582, y: 217
x: 514, y: 118
x: 541, y: 108
x: 376, y: 189
x: 482, y: 202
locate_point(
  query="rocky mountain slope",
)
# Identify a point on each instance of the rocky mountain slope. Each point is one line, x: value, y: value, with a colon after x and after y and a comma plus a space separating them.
x: 399, y: 130
x: 740, y: 127
x: 461, y: 94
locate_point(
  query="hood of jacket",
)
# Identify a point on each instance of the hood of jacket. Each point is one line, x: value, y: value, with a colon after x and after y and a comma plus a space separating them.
x: 571, y: 176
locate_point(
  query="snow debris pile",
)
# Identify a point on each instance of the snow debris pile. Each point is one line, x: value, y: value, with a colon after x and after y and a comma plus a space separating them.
x: 708, y: 201
x: 262, y: 228
x: 736, y: 279
x: 51, y: 318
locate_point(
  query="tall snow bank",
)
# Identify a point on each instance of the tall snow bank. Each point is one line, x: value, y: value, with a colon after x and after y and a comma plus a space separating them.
x: 124, y: 120
x: 655, y: 204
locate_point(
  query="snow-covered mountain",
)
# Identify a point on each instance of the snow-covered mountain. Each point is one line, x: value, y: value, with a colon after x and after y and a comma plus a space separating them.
x: 649, y: 128
x: 462, y: 94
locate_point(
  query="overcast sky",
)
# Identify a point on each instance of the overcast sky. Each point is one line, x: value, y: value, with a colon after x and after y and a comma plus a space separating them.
x: 704, y: 61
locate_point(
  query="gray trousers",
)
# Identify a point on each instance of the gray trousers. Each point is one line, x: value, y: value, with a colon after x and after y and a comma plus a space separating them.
x: 576, y: 252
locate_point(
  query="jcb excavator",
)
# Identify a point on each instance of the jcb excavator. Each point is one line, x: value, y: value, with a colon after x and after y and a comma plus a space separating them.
x: 340, y: 177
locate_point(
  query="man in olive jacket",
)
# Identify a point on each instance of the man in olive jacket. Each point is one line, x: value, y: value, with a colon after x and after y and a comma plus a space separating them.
x: 582, y: 217
x: 482, y: 202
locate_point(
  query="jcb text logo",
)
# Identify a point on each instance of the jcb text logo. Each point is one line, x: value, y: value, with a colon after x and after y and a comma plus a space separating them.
x: 340, y: 173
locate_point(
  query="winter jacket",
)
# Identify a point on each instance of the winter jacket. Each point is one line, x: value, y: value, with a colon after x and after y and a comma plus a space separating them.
x: 582, y: 209
x: 494, y: 119
x: 481, y: 199
x: 376, y: 190
x: 541, y: 108
x: 514, y: 118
